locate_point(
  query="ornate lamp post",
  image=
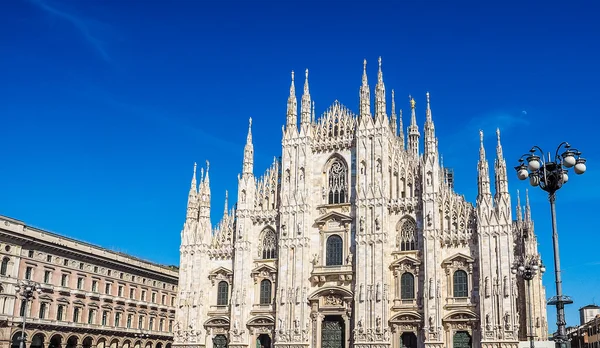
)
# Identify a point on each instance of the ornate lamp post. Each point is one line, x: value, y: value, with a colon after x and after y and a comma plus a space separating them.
x: 26, y: 289
x: 527, y: 268
x: 550, y: 174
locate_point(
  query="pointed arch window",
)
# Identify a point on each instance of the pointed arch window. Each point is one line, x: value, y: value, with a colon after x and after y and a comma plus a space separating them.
x: 222, y: 293
x: 4, y: 266
x: 407, y: 286
x: 334, y: 248
x: 407, y: 235
x: 265, y: 292
x: 461, y: 284
x: 337, y: 181
x: 268, y: 246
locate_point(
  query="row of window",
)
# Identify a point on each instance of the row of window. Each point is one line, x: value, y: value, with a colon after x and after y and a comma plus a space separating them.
x: 266, y: 294
x: 460, y: 285
x: 94, y: 286
x: 61, y: 315
x: 407, y: 288
x: 109, y: 272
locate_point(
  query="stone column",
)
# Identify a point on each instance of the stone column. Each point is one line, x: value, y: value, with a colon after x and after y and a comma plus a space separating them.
x: 317, y: 319
x: 346, y: 330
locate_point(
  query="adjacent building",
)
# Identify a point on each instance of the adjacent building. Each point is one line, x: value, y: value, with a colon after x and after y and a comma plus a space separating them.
x: 587, y: 334
x: 355, y: 237
x: 91, y: 296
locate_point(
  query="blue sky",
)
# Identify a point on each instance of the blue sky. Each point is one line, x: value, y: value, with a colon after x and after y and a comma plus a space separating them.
x: 106, y: 105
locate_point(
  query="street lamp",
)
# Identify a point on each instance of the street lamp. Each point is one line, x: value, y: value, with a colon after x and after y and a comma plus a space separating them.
x: 550, y: 174
x: 527, y: 268
x: 26, y: 289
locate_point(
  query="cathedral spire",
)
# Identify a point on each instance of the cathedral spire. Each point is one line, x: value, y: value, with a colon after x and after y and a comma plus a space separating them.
x: 194, y: 185
x: 192, y: 205
x: 313, y: 112
x: 393, y: 120
x: 365, y: 94
x: 226, y: 203
x: 483, y: 173
x: 401, y: 129
x: 527, y: 206
x: 518, y: 208
x: 500, y: 169
x: 305, y: 105
x: 380, y: 108
x: 204, y: 193
x: 248, y: 152
x: 413, y: 129
x: 429, y: 129
x: 292, y: 106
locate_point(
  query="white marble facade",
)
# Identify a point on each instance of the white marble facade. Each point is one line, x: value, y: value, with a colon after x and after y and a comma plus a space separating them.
x: 355, y: 238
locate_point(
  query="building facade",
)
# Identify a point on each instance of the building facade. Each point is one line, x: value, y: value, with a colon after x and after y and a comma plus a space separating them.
x: 587, y: 333
x: 355, y: 237
x: 91, y: 297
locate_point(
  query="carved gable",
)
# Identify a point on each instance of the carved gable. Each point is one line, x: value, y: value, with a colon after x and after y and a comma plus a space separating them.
x: 219, y: 274
x: 333, y: 221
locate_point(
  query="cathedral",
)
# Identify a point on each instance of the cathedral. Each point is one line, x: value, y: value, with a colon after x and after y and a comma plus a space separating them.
x: 355, y: 237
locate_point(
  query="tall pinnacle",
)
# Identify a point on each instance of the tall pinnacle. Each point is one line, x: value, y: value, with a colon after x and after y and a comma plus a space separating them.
x: 380, y: 108
x: 527, y: 206
x: 518, y: 208
x: 226, y: 202
x: 413, y: 129
x: 483, y: 172
x: 393, y: 119
x: 248, y: 152
x: 192, y: 204
x: 305, y: 107
x: 194, y: 185
x: 365, y: 94
x: 401, y: 128
x: 429, y: 129
x: 292, y: 105
x: 500, y: 170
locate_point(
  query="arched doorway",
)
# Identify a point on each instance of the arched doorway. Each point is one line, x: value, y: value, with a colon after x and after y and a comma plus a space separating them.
x: 87, y: 342
x: 461, y: 339
x: 55, y: 342
x: 333, y: 331
x: 408, y: 340
x: 16, y: 340
x: 263, y: 341
x: 72, y: 342
x: 220, y: 341
x: 37, y: 341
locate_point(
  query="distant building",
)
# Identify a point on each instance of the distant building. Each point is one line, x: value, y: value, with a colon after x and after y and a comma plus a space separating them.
x: 587, y: 313
x: 586, y: 335
x: 92, y: 297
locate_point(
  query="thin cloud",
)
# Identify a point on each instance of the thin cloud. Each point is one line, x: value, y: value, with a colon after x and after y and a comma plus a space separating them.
x: 81, y: 24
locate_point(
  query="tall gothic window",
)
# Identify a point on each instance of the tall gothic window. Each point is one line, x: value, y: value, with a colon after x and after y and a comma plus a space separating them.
x: 407, y: 286
x: 265, y: 292
x: 334, y: 251
x: 407, y: 235
x: 4, y: 266
x: 222, y: 293
x: 337, y: 180
x: 268, y: 245
x: 461, y: 285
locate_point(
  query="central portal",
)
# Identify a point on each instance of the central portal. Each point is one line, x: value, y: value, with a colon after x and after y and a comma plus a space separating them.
x: 332, y: 332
